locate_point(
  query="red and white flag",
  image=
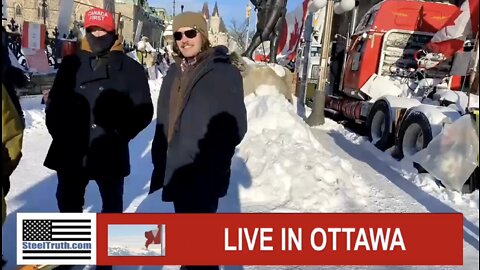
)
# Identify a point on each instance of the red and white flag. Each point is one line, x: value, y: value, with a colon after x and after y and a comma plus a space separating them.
x: 33, y: 36
x: 452, y: 36
x: 292, y: 31
x: 153, y: 237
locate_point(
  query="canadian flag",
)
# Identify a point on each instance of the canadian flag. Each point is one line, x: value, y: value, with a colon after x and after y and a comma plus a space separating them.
x: 451, y: 37
x: 153, y: 237
x: 291, y: 33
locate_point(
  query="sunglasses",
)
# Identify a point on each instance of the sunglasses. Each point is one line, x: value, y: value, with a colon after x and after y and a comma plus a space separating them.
x: 189, y: 34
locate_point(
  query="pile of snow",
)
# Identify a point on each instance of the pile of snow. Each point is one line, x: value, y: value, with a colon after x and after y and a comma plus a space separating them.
x: 129, y: 251
x: 293, y: 172
x: 34, y: 112
x: 465, y: 203
x: 281, y: 167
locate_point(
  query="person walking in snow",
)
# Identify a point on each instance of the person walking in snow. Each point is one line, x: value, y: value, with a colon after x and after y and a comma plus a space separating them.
x: 12, y: 140
x: 201, y: 119
x: 100, y: 100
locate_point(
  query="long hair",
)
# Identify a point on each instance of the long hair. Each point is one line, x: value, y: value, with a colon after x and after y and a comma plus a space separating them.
x: 205, y: 45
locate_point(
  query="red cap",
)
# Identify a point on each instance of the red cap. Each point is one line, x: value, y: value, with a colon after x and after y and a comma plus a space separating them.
x: 100, y: 18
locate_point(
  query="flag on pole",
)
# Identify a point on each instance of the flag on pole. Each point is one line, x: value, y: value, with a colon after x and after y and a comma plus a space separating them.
x: 292, y: 31
x: 153, y: 236
x: 452, y: 36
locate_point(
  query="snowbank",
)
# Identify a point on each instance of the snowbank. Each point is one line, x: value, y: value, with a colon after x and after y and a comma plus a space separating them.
x: 465, y: 203
x: 34, y: 112
x: 290, y: 170
x: 281, y: 167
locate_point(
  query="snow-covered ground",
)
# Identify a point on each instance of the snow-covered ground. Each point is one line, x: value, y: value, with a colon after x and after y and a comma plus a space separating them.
x: 282, y: 165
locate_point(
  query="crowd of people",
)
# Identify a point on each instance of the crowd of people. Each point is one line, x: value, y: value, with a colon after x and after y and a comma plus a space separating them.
x: 155, y: 61
x: 100, y: 100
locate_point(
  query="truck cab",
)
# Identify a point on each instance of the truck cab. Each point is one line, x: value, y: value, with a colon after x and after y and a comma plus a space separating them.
x: 387, y: 38
x: 403, y: 95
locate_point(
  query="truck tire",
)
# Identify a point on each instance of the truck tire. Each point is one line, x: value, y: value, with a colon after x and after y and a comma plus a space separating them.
x: 473, y: 181
x: 415, y: 134
x: 378, y: 124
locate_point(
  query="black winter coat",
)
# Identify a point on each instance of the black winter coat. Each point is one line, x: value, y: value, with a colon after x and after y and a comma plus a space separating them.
x: 195, y: 165
x: 93, y: 114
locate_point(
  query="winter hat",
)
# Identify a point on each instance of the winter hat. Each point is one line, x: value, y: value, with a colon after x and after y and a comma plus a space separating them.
x: 100, y: 18
x: 190, y: 19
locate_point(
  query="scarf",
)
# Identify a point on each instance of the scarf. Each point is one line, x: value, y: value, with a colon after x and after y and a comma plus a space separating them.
x: 179, y: 93
x: 101, y: 45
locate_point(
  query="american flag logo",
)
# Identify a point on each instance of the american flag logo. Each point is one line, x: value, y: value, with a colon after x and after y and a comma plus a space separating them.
x: 57, y: 230
x: 62, y: 238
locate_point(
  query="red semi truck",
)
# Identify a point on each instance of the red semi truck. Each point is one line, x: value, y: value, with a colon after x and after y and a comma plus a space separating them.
x: 403, y: 96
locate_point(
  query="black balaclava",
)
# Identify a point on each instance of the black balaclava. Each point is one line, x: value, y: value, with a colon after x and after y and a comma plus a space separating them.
x: 101, y: 45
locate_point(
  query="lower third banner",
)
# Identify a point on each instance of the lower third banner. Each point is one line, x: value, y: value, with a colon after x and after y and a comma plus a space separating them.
x: 279, y: 239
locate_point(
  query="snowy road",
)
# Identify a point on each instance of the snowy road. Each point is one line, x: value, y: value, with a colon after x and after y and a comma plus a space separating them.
x: 392, y: 191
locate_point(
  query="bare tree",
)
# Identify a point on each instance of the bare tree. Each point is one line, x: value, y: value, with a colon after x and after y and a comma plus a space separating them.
x: 238, y: 32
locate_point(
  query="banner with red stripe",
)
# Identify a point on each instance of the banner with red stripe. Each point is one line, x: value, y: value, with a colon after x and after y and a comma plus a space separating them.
x: 281, y: 239
x: 33, y: 36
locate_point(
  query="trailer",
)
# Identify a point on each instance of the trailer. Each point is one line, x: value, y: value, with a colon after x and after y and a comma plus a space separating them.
x: 403, y: 95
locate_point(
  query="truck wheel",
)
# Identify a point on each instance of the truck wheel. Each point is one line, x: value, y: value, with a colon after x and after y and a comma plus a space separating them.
x: 415, y: 134
x: 472, y: 183
x: 378, y: 123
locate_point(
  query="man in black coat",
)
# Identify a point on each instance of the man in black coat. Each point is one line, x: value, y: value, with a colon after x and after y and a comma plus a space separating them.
x: 100, y: 100
x: 201, y: 119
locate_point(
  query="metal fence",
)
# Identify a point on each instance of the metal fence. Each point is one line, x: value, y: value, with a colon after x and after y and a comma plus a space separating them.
x: 52, y: 44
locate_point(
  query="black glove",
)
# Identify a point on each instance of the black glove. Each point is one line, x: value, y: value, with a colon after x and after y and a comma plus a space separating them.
x: 156, y: 183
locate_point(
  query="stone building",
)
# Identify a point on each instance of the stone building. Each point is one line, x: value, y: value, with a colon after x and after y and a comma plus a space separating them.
x: 138, y: 12
x: 38, y: 11
x: 217, y: 32
x: 132, y: 12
